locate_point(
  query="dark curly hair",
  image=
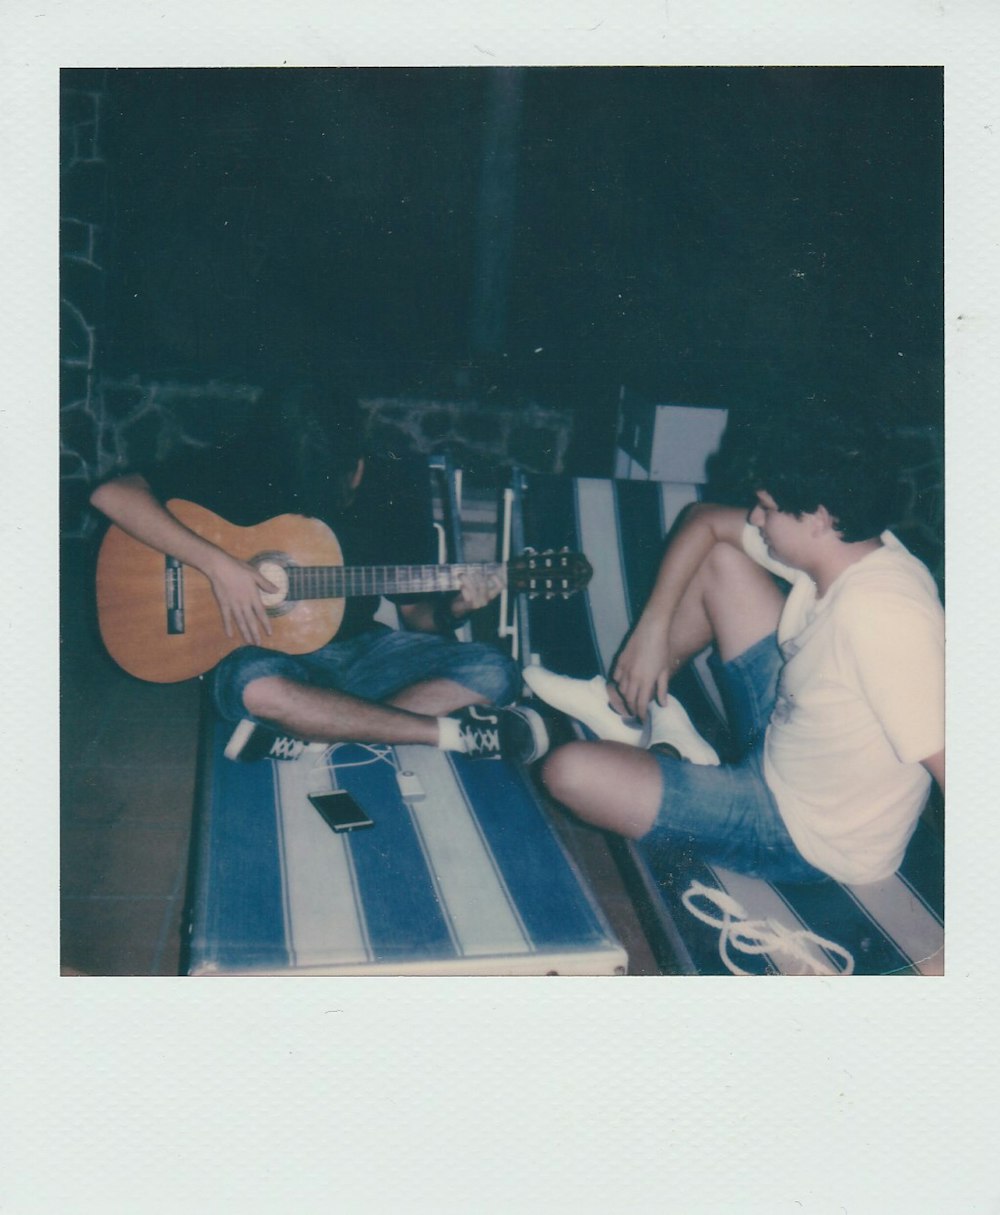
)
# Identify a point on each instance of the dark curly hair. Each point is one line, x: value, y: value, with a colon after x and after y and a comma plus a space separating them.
x: 822, y: 458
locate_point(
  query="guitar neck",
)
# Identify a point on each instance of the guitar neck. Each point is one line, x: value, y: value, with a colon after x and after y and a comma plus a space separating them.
x: 347, y: 581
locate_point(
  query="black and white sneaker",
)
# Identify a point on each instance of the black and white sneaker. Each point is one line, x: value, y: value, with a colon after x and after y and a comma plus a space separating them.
x: 518, y: 733
x: 250, y: 741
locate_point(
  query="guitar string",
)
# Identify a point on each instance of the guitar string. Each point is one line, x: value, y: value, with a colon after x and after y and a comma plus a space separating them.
x: 337, y: 581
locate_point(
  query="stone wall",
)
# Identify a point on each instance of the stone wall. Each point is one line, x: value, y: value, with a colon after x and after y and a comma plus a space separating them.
x: 83, y: 251
x: 483, y: 440
x: 132, y: 421
x: 107, y: 422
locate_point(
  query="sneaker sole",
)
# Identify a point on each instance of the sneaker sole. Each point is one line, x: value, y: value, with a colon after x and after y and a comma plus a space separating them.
x: 683, y: 738
x: 239, y: 739
x: 539, y: 733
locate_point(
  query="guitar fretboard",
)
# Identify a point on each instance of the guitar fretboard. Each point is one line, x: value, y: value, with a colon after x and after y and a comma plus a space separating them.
x: 347, y: 581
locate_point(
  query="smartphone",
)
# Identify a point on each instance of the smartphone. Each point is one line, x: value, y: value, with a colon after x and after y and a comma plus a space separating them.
x: 340, y: 811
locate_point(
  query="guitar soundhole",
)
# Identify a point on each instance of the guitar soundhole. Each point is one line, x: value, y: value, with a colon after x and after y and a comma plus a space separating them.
x: 274, y: 568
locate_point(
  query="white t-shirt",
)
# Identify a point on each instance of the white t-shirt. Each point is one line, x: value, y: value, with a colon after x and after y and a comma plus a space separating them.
x: 860, y: 704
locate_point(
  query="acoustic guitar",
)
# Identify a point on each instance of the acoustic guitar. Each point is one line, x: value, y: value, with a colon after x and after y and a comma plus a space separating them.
x: 160, y: 622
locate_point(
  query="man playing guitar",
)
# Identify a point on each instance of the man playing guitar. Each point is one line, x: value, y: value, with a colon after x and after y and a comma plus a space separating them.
x: 369, y: 683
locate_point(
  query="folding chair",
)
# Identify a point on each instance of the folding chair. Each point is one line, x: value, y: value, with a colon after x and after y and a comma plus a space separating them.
x: 701, y: 918
x: 461, y: 874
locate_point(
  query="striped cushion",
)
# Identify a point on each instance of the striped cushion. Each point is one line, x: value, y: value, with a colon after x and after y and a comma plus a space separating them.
x: 890, y: 927
x: 895, y: 926
x: 469, y: 880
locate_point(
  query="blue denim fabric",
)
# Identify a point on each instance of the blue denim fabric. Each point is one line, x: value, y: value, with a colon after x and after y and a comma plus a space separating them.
x: 375, y: 664
x: 728, y: 813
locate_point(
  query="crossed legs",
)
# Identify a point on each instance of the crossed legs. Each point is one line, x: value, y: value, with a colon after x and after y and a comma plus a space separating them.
x: 326, y: 715
x: 730, y: 601
x: 387, y: 686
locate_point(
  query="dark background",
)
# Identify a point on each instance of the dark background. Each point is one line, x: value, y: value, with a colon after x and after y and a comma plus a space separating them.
x: 739, y: 237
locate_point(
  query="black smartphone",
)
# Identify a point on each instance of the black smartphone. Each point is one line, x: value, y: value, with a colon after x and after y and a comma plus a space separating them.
x: 340, y: 811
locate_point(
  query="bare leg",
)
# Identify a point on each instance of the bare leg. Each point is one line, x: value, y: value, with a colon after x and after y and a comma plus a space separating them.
x: 731, y: 600
x: 607, y: 784
x: 436, y: 697
x: 325, y: 715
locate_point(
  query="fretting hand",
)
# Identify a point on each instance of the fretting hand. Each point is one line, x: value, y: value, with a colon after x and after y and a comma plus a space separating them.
x: 476, y: 590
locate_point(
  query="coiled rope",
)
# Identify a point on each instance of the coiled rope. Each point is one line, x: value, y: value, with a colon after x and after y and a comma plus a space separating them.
x: 768, y: 936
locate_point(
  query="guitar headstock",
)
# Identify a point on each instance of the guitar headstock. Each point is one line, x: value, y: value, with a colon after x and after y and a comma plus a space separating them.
x: 549, y: 575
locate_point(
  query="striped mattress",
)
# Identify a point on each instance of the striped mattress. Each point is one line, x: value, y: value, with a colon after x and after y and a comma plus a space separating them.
x: 707, y: 920
x: 469, y: 879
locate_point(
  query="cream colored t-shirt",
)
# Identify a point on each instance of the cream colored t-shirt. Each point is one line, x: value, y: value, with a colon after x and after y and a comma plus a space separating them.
x: 860, y: 703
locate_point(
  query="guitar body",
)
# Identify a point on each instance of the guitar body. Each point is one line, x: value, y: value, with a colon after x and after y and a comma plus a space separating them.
x: 159, y: 619
x: 133, y: 583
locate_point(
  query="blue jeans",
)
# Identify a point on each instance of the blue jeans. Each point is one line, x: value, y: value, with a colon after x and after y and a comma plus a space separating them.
x: 728, y: 813
x: 373, y: 665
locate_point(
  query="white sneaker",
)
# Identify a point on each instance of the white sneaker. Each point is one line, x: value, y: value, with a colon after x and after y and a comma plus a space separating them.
x: 669, y: 725
x: 584, y: 699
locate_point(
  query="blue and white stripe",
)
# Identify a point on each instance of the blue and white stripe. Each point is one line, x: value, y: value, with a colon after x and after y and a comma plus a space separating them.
x: 471, y: 879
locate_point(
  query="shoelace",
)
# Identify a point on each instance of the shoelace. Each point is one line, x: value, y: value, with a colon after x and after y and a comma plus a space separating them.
x: 760, y: 936
x: 481, y: 738
x: 286, y: 747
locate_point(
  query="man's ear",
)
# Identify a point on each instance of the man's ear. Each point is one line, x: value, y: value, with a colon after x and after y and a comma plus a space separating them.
x: 358, y: 473
x: 824, y: 520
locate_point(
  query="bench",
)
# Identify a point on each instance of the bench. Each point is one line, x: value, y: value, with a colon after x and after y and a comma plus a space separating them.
x: 469, y: 878
x: 701, y: 918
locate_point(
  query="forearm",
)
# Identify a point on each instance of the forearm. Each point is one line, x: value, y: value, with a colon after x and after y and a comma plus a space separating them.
x: 129, y: 502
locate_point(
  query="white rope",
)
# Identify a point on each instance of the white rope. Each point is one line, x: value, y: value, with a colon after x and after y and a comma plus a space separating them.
x: 760, y: 936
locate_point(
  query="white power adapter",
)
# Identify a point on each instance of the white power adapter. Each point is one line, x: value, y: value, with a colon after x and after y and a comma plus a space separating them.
x: 410, y: 787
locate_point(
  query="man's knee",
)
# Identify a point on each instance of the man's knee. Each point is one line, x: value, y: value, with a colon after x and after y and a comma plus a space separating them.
x: 565, y: 772
x: 249, y: 666
x: 489, y: 673
x: 725, y: 565
x: 609, y: 785
x: 741, y: 599
x: 507, y: 679
x: 265, y: 696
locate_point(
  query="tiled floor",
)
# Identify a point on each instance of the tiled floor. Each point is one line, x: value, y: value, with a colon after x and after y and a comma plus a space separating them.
x: 128, y: 775
x: 128, y: 751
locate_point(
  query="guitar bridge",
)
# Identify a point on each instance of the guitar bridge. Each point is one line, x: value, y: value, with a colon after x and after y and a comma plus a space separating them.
x: 173, y: 591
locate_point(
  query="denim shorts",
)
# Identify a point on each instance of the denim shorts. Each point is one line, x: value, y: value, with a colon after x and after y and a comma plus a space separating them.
x: 726, y: 815
x: 374, y: 664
